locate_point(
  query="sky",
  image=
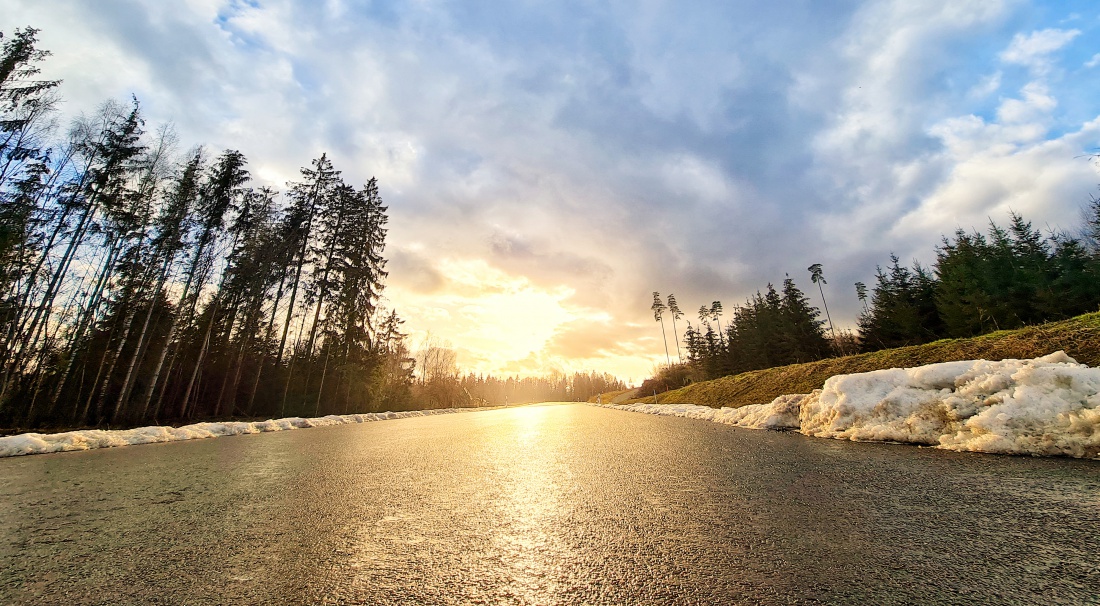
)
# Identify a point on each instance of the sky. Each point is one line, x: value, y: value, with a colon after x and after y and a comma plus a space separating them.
x: 548, y: 165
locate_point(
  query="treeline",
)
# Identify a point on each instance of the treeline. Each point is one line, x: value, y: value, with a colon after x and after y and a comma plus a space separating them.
x: 439, y: 384
x: 137, y: 284
x: 1007, y: 278
x: 772, y: 328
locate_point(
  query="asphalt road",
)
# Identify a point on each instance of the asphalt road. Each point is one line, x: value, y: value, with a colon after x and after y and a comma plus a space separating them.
x: 556, y: 504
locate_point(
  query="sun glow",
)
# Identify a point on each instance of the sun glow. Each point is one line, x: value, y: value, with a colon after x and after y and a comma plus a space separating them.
x: 528, y: 421
x: 494, y: 320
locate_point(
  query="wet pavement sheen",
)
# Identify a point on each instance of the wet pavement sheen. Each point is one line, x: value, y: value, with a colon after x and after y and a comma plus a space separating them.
x: 554, y: 504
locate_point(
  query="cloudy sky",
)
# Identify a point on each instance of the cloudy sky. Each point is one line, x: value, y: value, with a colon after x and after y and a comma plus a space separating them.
x: 549, y: 164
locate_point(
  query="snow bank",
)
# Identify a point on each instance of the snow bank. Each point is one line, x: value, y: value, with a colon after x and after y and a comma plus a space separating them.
x: 87, y: 439
x: 1046, y: 406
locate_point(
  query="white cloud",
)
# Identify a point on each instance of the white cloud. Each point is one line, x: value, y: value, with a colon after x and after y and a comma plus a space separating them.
x: 1033, y: 50
x: 875, y: 158
x: 1033, y: 108
x: 1094, y: 61
x: 885, y: 100
x: 995, y: 170
x: 986, y: 86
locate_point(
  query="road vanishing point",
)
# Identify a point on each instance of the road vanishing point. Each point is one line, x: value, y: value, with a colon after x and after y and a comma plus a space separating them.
x: 544, y: 505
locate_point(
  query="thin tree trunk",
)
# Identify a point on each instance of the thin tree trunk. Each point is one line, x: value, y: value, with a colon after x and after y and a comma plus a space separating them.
x: 676, y: 338
x: 215, y: 305
x: 58, y: 275
x: 290, y: 370
x: 664, y: 338
x: 829, y: 318
x: 99, y: 374
x: 263, y: 359
x: 85, y: 323
x: 127, y: 324
x: 200, y: 360
x: 32, y: 275
x: 172, y: 328
x: 28, y: 341
x: 139, y: 349
x: 225, y: 378
x: 290, y: 306
x: 237, y: 377
x: 147, y: 396
x: 39, y: 377
x: 321, y: 389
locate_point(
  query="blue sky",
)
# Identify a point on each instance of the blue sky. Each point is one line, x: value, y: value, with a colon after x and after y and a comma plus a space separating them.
x: 549, y: 165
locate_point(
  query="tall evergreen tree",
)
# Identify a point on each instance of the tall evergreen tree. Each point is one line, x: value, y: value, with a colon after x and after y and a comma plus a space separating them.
x: 818, y: 278
x: 801, y: 327
x: 111, y: 150
x: 903, y: 308
x: 658, y: 309
x: 224, y: 188
x: 26, y: 107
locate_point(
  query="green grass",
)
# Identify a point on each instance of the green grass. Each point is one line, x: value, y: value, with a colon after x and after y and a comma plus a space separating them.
x: 1079, y: 337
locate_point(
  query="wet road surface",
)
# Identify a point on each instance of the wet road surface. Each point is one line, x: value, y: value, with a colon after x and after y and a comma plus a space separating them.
x: 557, y: 504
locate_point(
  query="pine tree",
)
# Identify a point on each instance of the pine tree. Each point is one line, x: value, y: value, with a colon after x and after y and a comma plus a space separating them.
x: 903, y: 308
x: 861, y: 294
x: 223, y: 187
x: 358, y: 285
x: 26, y: 107
x: 111, y: 149
x: 25, y: 104
x: 658, y: 309
x: 716, y: 315
x: 801, y: 327
x: 817, y: 278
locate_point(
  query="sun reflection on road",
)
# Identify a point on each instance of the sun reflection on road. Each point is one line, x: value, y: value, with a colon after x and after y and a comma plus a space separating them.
x: 533, y: 504
x: 494, y: 529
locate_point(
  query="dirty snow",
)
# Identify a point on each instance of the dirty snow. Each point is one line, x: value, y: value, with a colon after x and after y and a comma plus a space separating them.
x: 1046, y: 406
x: 87, y: 439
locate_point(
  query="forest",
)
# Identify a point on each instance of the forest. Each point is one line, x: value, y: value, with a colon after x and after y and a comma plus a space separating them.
x: 143, y: 284
x: 1005, y: 278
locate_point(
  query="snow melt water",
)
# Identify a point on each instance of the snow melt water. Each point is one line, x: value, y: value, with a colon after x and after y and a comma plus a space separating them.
x: 87, y: 439
x: 1047, y: 406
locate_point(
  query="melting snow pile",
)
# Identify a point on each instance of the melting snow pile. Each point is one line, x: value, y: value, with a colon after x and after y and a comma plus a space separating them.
x: 1046, y: 406
x: 87, y: 439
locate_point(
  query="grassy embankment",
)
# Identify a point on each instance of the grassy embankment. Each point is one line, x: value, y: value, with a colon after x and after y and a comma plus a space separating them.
x: 1079, y: 337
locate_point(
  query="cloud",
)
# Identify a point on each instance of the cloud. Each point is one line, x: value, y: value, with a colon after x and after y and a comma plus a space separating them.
x: 995, y: 172
x: 1034, y: 50
x: 599, y: 337
x: 986, y: 86
x: 547, y: 165
x: 412, y: 270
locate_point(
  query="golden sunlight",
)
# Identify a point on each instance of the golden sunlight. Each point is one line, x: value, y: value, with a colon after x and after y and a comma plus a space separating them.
x: 503, y: 324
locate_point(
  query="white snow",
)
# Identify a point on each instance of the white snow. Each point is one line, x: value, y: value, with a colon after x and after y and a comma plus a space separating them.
x: 1046, y: 406
x: 87, y: 439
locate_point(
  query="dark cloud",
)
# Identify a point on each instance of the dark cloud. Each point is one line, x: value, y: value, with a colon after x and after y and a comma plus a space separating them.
x: 414, y: 272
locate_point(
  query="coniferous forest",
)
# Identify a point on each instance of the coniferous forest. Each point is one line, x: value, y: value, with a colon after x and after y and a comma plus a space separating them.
x: 143, y: 284
x: 1006, y: 278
